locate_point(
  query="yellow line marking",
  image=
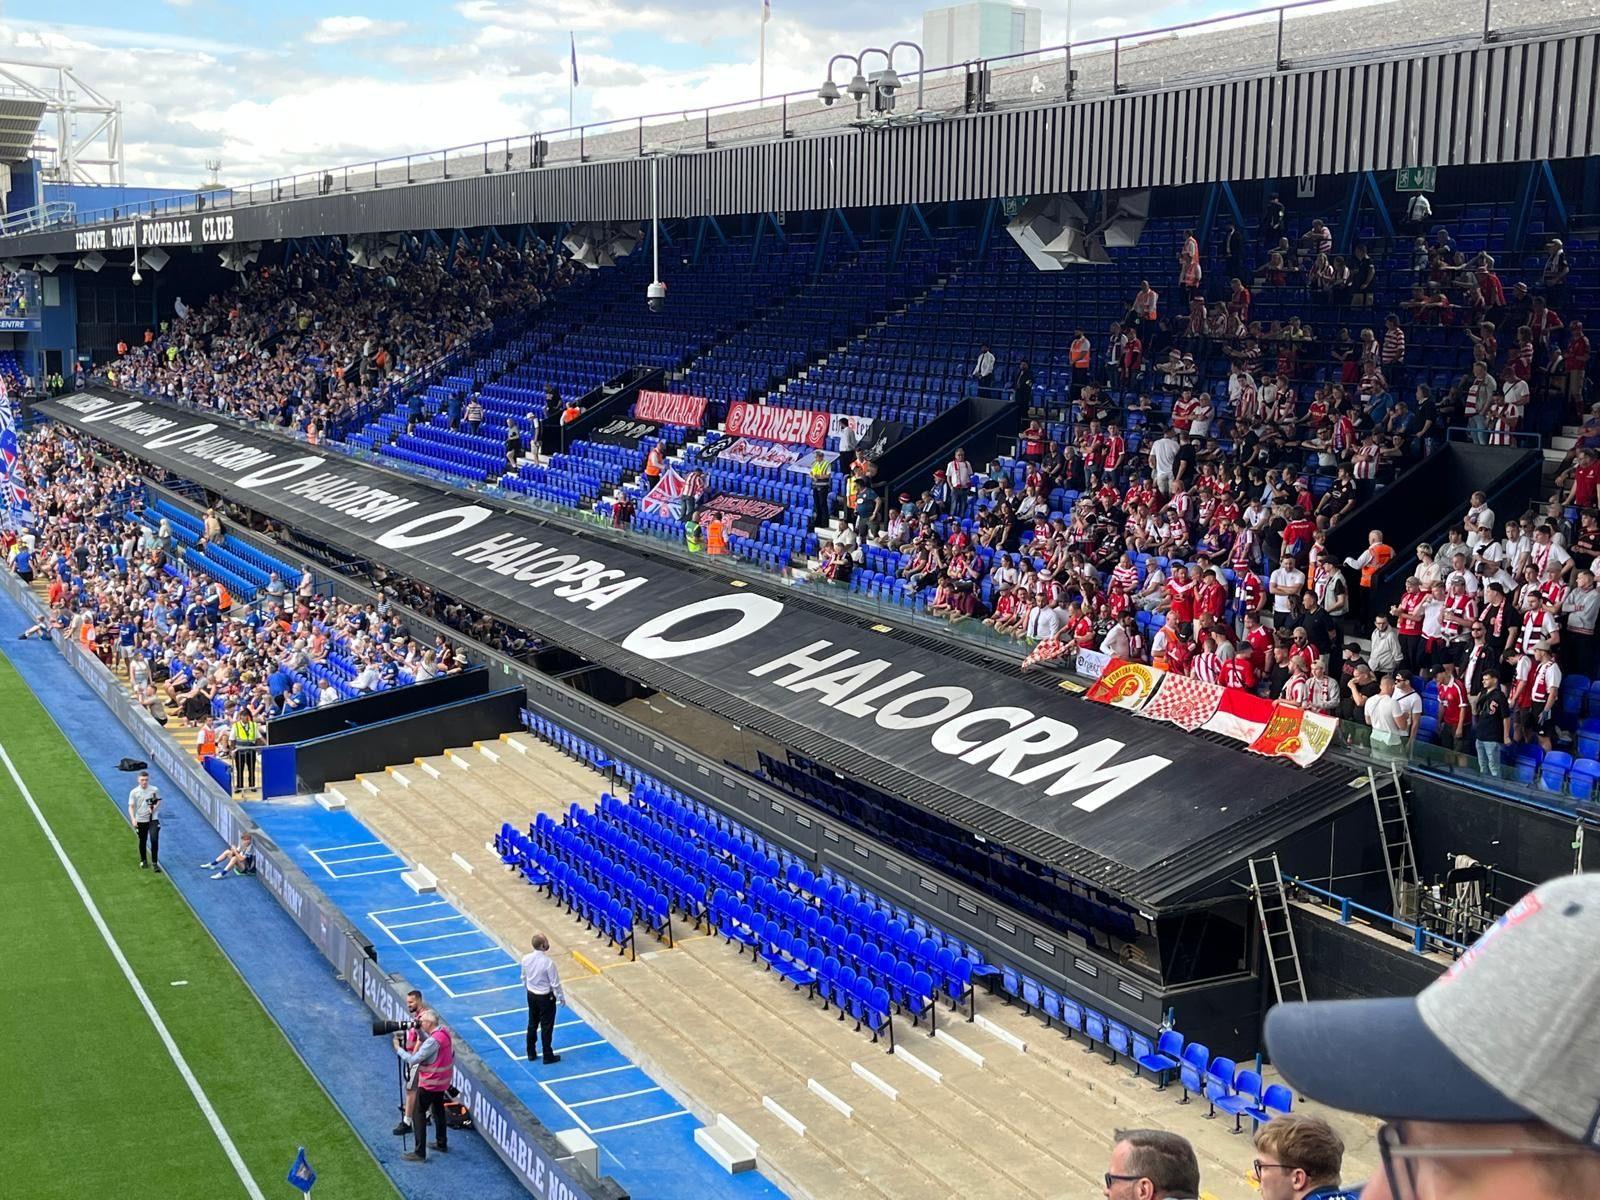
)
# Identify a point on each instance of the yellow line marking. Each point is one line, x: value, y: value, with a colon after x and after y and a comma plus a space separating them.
x: 583, y: 961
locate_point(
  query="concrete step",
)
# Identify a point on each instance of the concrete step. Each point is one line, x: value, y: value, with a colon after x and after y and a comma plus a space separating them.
x: 729, y: 1146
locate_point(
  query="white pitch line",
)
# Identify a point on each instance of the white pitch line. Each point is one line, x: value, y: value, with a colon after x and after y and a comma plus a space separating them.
x: 589, y: 1074
x: 682, y: 1112
x: 477, y: 971
x: 228, y: 1148
x: 340, y: 862
x: 433, y: 958
x: 429, y: 921
x: 383, y: 912
x: 618, y: 1096
x: 347, y: 846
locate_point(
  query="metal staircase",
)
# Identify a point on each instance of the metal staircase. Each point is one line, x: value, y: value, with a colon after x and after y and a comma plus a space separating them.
x: 1394, y: 834
x: 1277, y: 931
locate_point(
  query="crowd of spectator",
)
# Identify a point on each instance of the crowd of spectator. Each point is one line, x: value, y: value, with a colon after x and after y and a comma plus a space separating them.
x: 1186, y: 525
x: 120, y: 585
x: 303, y: 343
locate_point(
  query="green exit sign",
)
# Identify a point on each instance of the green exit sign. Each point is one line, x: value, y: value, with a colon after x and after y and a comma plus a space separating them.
x: 1415, y: 179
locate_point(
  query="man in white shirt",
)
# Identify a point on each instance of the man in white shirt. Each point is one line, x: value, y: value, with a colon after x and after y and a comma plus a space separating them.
x: 1551, y: 558
x: 983, y: 372
x: 1480, y: 521
x: 1286, y: 584
x: 1407, y: 706
x: 958, y: 477
x: 367, y: 680
x: 1382, y: 716
x: 1163, y: 454
x: 328, y: 695
x: 144, y: 803
x: 543, y: 984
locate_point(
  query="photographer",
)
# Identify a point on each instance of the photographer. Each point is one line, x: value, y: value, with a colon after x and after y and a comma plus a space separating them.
x: 413, y: 1035
x: 144, y: 803
x: 431, y: 1069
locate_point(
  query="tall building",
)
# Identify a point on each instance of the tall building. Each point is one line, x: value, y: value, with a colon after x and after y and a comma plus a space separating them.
x: 985, y: 29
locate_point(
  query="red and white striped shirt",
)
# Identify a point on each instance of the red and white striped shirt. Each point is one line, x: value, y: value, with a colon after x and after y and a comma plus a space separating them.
x: 1394, y: 345
x: 1207, y: 667
x: 1298, y: 690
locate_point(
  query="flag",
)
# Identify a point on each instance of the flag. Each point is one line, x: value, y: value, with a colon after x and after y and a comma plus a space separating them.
x: 301, y: 1175
x: 1046, y: 651
x: 573, y: 42
x: 1188, y: 703
x: 662, y: 500
x: 1240, y: 715
x: 1124, y: 684
x: 15, y: 511
x: 766, y: 11
x: 1295, y: 734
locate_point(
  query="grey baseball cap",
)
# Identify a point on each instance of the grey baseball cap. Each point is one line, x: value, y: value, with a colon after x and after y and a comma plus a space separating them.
x: 1508, y: 1033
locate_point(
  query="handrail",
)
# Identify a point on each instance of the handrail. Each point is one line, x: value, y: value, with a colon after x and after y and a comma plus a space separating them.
x: 531, y: 150
x: 1422, y: 938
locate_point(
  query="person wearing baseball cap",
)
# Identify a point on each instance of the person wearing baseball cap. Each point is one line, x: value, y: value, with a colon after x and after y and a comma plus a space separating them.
x: 1489, y: 1080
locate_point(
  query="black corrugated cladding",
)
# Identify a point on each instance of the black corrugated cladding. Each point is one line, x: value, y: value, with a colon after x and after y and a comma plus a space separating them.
x: 1508, y: 102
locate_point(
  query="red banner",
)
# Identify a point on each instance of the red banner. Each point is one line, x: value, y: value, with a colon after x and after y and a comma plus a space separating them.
x: 669, y: 409
x: 798, y: 426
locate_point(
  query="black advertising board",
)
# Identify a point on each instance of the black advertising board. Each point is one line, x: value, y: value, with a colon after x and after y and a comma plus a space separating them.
x: 1130, y: 793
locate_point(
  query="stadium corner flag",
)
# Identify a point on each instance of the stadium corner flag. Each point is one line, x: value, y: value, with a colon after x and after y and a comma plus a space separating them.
x: 573, y: 42
x: 301, y: 1175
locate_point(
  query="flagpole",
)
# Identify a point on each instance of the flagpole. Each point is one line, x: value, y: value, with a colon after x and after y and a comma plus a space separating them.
x: 762, y: 76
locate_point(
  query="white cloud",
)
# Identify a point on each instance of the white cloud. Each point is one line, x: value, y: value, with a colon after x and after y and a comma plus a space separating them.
x: 331, y: 30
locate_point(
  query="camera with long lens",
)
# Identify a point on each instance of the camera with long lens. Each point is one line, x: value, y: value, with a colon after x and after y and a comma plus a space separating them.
x: 388, y: 1028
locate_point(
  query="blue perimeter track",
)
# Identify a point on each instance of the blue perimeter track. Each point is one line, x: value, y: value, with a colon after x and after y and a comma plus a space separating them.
x: 326, y: 1023
x: 646, y: 1137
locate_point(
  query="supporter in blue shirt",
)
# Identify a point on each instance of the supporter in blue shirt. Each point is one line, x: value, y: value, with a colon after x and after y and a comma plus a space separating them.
x: 297, y: 700
x: 278, y: 683
x: 23, y: 564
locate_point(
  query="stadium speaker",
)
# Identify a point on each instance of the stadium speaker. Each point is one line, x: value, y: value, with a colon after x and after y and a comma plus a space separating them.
x: 1126, y: 214
x: 48, y: 263
x: 372, y: 250
x: 11, y: 264
x: 1051, y: 231
x: 154, y: 259
x: 239, y: 255
x: 91, y: 261
x: 597, y: 245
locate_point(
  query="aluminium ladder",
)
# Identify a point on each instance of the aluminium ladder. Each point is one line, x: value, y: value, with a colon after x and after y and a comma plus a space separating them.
x: 1277, y: 930
x: 1394, y: 834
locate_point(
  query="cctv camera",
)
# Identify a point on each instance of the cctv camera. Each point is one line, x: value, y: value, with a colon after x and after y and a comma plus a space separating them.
x: 137, y: 278
x: 828, y: 93
x: 656, y: 296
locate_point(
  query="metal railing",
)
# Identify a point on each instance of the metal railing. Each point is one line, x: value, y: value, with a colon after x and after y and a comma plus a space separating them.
x: 1265, y: 39
x: 40, y: 216
x: 1423, y: 939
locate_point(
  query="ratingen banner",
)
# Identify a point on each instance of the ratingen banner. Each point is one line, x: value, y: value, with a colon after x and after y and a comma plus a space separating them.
x: 799, y: 426
x: 1104, y: 781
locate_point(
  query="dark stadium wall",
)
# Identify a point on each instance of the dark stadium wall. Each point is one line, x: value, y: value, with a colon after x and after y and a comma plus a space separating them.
x: 380, y: 706
x: 1522, y: 845
x: 374, y: 747
x: 1352, y: 962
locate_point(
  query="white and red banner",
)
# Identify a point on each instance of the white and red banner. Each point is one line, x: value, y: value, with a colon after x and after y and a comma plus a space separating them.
x: 1272, y: 728
x: 772, y: 454
x: 1296, y: 734
x: 797, y: 426
x: 669, y: 409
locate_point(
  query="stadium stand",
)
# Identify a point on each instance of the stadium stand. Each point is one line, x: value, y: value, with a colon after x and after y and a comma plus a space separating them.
x: 200, y: 625
x: 743, y: 1035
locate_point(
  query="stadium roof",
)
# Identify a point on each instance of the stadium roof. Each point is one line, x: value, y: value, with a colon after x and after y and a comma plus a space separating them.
x: 19, y: 126
x: 1135, y: 807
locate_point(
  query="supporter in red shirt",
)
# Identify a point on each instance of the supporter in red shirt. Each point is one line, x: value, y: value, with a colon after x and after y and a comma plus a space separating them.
x: 1454, y: 710
x: 1576, y: 360
x: 1236, y: 670
x: 1585, y: 480
x: 1259, y: 638
x: 1211, y: 596
x: 1407, y: 615
x: 1297, y: 533
x: 1180, y: 597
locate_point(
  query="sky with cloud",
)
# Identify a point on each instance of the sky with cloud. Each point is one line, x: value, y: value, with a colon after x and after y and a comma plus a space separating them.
x: 275, y: 88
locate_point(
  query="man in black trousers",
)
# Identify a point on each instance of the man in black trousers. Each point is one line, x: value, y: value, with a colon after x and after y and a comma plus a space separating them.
x: 543, y: 985
x: 144, y: 802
